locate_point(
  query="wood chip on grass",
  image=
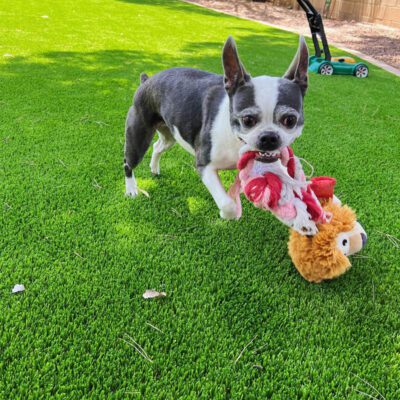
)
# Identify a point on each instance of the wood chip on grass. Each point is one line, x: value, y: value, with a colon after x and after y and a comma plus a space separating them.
x: 153, y: 294
x: 18, y: 288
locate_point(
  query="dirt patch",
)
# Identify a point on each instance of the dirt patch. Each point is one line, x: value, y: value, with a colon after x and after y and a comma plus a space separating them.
x: 378, y: 41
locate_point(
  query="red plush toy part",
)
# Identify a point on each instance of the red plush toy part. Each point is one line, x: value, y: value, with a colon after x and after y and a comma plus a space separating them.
x: 281, y: 187
x: 255, y: 189
x: 323, y: 186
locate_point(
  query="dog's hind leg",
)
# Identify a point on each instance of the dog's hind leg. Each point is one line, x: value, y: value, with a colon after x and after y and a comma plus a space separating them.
x: 138, y: 136
x: 164, y: 142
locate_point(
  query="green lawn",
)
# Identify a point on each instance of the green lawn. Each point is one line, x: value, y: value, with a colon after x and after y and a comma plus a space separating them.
x: 85, y: 253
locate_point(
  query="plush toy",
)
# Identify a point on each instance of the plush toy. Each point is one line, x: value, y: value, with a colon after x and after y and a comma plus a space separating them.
x: 277, y: 183
x: 325, y: 255
x: 323, y: 232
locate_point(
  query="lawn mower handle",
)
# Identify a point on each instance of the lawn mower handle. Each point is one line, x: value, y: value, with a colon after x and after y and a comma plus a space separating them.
x: 317, y: 29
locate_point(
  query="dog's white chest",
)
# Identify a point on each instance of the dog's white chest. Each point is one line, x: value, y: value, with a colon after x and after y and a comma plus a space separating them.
x: 225, y: 145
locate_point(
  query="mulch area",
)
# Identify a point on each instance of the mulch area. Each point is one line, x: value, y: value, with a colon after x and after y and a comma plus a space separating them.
x: 378, y: 41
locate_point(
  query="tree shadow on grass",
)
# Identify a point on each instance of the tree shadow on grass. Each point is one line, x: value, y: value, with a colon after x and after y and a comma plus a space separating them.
x: 178, y: 6
x: 261, y: 54
x: 92, y: 74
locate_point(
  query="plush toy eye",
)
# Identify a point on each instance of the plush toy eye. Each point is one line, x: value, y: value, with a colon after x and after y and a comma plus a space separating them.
x: 343, y: 243
x: 249, y: 121
x: 289, y: 121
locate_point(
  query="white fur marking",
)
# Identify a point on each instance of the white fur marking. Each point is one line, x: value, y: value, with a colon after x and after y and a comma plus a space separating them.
x: 159, y: 147
x: 155, y: 161
x: 225, y: 145
x: 224, y: 202
x: 266, y: 96
x: 131, y: 189
x: 182, y: 142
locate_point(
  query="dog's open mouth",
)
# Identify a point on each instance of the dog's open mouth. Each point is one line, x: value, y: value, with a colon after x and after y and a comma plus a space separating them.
x: 268, y: 156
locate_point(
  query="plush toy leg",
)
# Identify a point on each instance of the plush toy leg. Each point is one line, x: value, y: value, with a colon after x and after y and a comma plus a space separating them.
x: 336, y: 200
x: 303, y: 223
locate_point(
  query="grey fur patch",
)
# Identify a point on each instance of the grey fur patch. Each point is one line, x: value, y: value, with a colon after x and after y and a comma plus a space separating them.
x: 298, y: 69
x: 177, y: 96
x: 244, y: 98
x: 127, y: 169
x: 143, y: 77
x: 289, y: 96
x: 185, y: 98
x: 234, y: 73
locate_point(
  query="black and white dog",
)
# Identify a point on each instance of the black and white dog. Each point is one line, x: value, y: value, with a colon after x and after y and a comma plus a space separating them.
x: 213, y: 116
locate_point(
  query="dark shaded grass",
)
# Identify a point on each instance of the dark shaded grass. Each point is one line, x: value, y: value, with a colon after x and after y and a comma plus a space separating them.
x: 86, y: 254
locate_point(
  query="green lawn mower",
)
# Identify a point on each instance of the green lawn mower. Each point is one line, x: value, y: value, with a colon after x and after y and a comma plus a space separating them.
x: 322, y: 62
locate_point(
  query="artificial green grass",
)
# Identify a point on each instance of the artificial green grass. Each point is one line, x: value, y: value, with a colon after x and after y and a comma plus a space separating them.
x: 86, y: 253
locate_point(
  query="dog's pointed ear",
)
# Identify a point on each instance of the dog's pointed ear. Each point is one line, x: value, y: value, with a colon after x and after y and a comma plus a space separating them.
x: 234, y: 73
x: 298, y: 69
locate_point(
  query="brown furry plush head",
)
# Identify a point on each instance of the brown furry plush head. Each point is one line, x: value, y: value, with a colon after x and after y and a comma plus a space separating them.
x: 325, y: 255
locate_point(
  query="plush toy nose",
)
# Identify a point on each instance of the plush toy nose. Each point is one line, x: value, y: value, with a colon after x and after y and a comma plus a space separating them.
x: 358, y: 239
x: 269, y: 141
x: 364, y: 239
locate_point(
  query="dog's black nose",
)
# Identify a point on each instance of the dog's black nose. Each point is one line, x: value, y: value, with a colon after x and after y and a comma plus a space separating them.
x: 269, y: 141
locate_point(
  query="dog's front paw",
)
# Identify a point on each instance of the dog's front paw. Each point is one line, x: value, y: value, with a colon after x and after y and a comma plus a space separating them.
x: 305, y: 227
x: 131, y: 189
x: 132, y: 192
x: 229, y: 210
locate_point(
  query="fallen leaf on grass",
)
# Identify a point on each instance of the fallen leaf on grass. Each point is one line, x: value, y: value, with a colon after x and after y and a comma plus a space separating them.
x: 143, y: 192
x: 18, y: 288
x: 153, y: 294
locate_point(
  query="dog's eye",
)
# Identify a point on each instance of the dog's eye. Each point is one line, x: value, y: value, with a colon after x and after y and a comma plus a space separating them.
x: 249, y: 121
x: 289, y: 121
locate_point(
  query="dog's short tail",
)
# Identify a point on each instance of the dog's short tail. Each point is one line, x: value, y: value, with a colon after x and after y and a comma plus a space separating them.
x: 143, y: 77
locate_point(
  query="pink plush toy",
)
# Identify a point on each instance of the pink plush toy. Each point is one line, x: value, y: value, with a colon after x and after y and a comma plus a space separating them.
x: 277, y: 183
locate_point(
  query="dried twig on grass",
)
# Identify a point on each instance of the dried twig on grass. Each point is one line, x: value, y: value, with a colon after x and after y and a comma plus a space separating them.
x: 96, y: 184
x: 154, y: 327
x: 131, y: 342
x: 381, y: 396
x: 395, y: 241
x: 244, y: 349
x: 365, y: 394
x: 61, y: 162
x: 78, y: 255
